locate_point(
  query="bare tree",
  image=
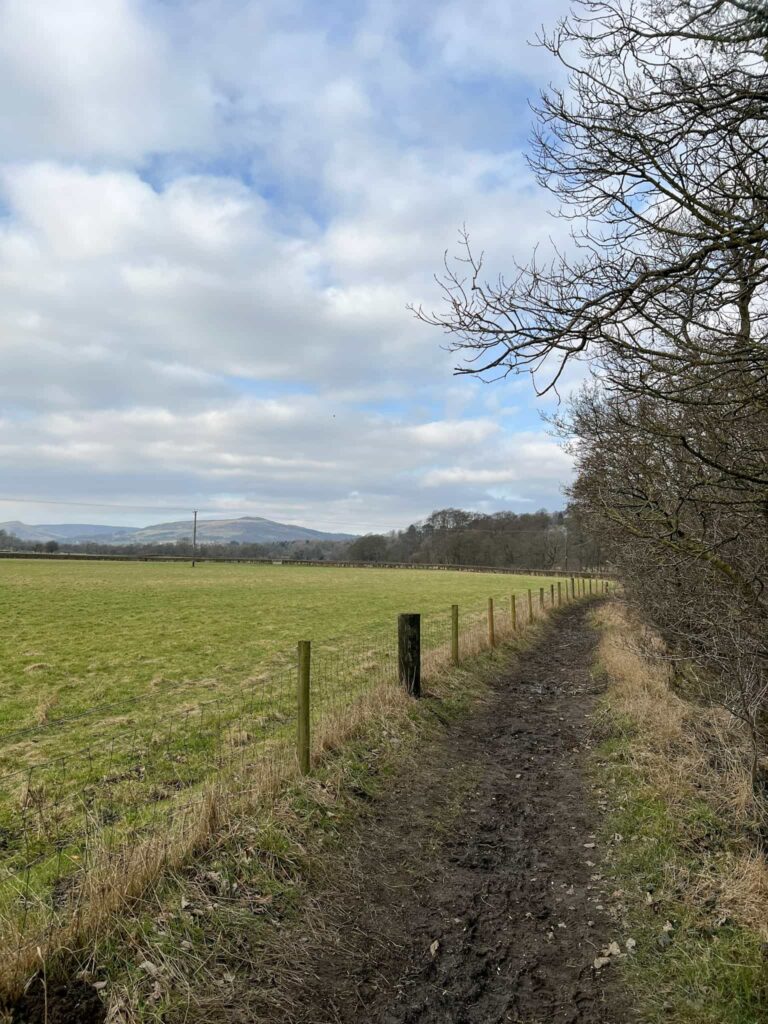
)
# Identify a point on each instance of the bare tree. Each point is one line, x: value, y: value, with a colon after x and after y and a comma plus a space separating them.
x: 656, y: 152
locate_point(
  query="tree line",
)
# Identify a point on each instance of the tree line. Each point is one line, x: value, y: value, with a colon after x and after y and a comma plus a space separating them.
x: 535, y: 540
x: 309, y: 550
x: 656, y: 153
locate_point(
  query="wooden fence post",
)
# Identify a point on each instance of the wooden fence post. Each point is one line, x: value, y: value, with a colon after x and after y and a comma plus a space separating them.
x: 590, y: 586
x: 559, y: 593
x: 551, y: 595
x: 573, y: 588
x: 454, y: 634
x: 409, y: 651
x: 513, y: 611
x: 530, y: 606
x: 541, y: 598
x: 302, y: 737
x: 491, y: 624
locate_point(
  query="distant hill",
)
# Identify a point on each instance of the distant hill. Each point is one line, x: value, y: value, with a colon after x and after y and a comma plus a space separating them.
x: 245, y: 530
x: 70, y: 532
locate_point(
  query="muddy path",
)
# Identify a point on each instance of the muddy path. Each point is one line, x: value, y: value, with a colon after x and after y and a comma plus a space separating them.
x: 473, y: 894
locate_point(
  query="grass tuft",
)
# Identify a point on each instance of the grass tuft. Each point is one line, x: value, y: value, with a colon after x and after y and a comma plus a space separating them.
x: 688, y: 862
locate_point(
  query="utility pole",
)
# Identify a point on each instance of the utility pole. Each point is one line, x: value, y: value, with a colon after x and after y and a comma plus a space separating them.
x: 194, y: 538
x: 565, y: 529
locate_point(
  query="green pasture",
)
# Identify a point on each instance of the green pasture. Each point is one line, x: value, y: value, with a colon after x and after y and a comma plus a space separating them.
x: 123, y: 685
x: 74, y: 635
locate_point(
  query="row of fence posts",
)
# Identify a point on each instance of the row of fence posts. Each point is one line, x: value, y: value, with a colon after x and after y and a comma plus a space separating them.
x: 409, y: 649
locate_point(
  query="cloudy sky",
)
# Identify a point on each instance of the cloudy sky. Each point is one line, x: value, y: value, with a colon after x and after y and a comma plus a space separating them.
x: 212, y: 216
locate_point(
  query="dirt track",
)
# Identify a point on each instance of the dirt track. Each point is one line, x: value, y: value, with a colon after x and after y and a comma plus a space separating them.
x: 473, y: 895
x: 472, y: 892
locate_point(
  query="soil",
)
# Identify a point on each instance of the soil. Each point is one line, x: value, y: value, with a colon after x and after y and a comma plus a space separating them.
x: 67, y: 1003
x: 473, y: 893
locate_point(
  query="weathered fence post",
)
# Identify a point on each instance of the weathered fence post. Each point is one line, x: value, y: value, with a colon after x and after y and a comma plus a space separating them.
x: 573, y: 588
x: 491, y: 624
x: 409, y: 651
x: 513, y: 610
x: 541, y: 598
x: 454, y: 634
x: 559, y: 593
x: 551, y: 595
x: 302, y: 736
x: 590, y: 586
x: 530, y: 606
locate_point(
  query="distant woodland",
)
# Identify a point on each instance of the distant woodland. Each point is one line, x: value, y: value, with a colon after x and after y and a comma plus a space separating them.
x: 535, y: 540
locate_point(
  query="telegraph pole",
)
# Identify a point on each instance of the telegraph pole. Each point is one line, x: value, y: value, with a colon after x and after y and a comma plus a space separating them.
x: 194, y: 538
x: 566, y: 549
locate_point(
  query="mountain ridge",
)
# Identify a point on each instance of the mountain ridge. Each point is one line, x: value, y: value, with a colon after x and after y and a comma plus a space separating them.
x: 244, y: 530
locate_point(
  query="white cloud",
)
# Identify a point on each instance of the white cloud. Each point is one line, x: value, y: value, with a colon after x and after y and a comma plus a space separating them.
x: 87, y: 79
x: 212, y: 217
x: 452, y: 433
x: 493, y: 35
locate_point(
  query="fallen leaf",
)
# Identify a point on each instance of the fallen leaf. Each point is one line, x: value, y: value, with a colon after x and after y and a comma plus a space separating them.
x: 434, y: 947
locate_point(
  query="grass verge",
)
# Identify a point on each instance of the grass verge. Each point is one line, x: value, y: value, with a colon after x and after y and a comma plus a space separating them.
x: 685, y: 839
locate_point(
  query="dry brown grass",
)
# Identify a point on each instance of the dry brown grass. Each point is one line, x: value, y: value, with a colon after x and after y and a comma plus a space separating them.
x: 46, y: 703
x: 688, y: 752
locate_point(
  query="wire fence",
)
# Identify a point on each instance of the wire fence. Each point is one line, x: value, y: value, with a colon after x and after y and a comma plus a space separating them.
x: 94, y: 806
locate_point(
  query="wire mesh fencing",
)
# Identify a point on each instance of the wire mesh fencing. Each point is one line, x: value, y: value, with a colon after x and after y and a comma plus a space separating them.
x: 93, y: 807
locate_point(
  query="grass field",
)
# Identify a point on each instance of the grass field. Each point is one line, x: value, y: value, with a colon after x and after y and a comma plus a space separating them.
x: 125, y: 686
x: 75, y: 635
